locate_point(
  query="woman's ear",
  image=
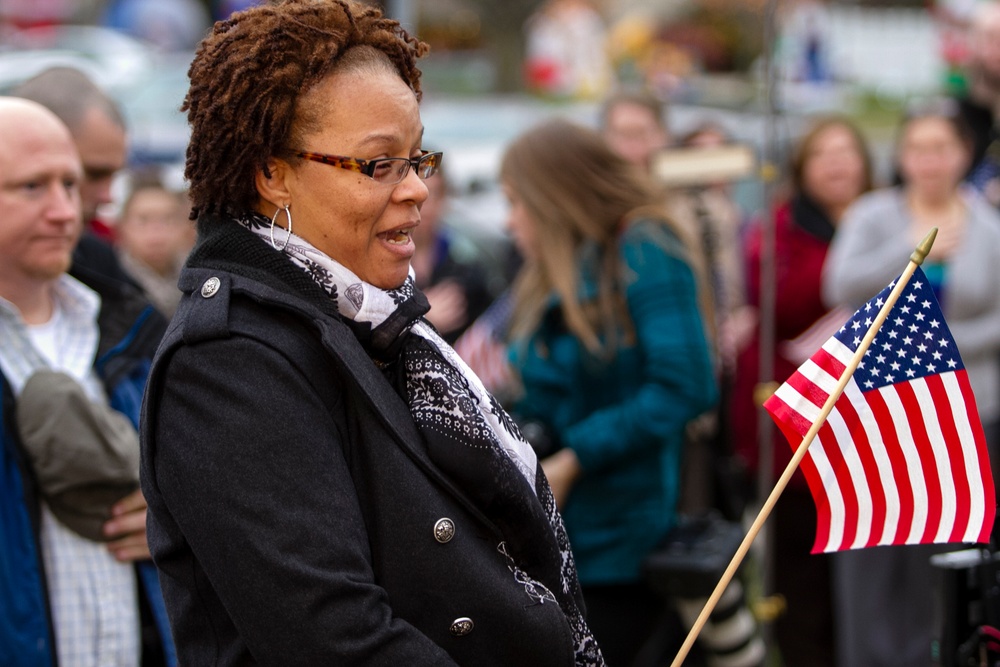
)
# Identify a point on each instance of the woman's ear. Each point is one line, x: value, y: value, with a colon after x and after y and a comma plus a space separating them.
x: 271, y: 180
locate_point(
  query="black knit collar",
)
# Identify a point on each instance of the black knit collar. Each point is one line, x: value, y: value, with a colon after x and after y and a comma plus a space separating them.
x: 225, y: 245
x: 811, y: 218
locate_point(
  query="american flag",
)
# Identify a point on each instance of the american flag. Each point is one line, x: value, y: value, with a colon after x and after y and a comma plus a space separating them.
x: 482, y: 346
x: 901, y: 458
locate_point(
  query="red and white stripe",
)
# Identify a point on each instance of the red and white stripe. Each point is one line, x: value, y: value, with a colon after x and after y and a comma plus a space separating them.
x: 800, y: 348
x: 903, y: 464
x: 487, y: 357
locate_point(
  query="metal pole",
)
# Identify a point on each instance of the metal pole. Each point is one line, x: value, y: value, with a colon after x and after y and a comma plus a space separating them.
x: 766, y: 379
x: 404, y: 11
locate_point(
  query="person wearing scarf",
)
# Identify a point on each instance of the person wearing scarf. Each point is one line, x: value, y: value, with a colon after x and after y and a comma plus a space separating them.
x: 328, y: 482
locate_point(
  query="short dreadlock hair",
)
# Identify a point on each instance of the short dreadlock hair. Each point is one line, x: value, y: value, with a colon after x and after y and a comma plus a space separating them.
x: 248, y: 76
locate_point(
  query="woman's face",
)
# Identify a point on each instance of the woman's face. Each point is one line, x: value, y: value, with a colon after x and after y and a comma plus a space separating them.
x: 932, y: 157
x: 833, y: 173
x: 520, y: 223
x: 362, y: 224
x: 431, y: 212
x: 634, y: 133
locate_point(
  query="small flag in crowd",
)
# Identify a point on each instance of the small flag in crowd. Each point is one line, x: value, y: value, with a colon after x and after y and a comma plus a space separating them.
x: 800, y: 348
x: 902, y: 458
x: 482, y: 346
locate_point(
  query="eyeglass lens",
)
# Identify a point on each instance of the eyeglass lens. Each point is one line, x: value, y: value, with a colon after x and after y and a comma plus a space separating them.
x: 391, y: 170
x: 394, y: 170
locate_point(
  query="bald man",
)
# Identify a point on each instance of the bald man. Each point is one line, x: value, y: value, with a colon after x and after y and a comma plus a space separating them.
x: 97, y: 126
x: 66, y: 596
x: 95, y: 123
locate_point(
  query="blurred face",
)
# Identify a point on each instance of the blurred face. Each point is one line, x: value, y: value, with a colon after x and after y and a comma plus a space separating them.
x: 986, y: 43
x: 520, y: 224
x: 40, y: 199
x: 362, y: 224
x: 101, y: 144
x: 431, y: 211
x: 633, y: 132
x: 833, y: 173
x: 154, y: 229
x: 932, y: 157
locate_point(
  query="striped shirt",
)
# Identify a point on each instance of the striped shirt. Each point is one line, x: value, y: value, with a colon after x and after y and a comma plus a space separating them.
x: 93, y: 597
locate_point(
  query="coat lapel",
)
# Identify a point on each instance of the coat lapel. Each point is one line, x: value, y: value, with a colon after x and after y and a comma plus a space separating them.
x: 265, y: 276
x: 392, y: 411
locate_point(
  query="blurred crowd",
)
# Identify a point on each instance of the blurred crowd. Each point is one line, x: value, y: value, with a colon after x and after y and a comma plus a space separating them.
x: 840, y: 233
x: 622, y: 330
x: 170, y: 25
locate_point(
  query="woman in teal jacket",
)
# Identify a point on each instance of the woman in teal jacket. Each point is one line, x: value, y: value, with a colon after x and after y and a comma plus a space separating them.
x: 608, y: 338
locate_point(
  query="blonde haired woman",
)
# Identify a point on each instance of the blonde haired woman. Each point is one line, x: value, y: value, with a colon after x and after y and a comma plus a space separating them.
x: 609, y: 341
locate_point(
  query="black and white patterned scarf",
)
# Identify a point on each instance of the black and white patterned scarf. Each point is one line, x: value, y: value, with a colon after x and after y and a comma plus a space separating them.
x: 466, y: 431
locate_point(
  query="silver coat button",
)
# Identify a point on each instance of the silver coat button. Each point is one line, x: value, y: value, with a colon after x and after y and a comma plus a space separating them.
x: 444, y: 530
x: 211, y: 287
x: 462, y: 626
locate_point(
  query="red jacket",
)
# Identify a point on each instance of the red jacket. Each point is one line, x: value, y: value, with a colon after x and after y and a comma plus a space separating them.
x: 799, y: 258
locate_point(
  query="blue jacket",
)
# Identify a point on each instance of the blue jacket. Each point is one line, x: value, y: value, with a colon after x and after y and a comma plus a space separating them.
x: 130, y: 331
x: 624, y: 418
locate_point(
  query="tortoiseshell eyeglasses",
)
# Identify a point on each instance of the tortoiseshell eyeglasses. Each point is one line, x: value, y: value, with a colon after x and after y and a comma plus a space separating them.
x: 385, y: 170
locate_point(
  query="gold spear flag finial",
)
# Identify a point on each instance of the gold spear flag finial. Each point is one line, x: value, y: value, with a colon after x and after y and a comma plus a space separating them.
x: 920, y: 254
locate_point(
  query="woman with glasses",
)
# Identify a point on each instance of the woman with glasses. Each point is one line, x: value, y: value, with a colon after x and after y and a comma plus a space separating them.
x: 888, y: 588
x: 328, y: 483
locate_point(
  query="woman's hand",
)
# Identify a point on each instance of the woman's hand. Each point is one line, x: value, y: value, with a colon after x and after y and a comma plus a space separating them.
x: 127, y: 528
x: 449, y: 310
x: 561, y: 469
x: 948, y: 238
x: 735, y: 333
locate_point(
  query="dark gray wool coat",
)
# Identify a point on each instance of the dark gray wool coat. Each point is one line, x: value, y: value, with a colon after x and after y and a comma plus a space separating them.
x: 293, y: 514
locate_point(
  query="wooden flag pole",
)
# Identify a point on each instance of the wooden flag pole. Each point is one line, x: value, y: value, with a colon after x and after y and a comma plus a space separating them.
x: 916, y: 259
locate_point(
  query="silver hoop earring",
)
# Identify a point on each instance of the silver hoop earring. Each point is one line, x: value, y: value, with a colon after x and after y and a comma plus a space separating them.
x: 288, y: 234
